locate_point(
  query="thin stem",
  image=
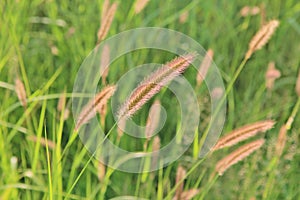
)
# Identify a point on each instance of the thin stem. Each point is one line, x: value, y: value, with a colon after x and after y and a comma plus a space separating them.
x: 88, y: 162
x: 293, y: 114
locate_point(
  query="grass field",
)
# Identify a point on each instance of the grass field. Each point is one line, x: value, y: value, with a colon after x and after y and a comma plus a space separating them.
x: 43, y: 44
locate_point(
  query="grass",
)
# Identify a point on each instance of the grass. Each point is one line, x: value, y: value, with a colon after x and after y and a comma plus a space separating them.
x: 46, y: 55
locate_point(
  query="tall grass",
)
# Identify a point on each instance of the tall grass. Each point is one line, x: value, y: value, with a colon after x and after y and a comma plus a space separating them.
x: 43, y: 44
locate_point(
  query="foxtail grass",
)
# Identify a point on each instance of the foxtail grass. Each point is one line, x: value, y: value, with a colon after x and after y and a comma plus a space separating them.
x: 297, y: 88
x: 281, y: 140
x: 153, y: 119
x: 153, y: 84
x: 106, y: 22
x: 181, y: 172
x: 89, y: 111
x: 238, y: 155
x: 104, y: 63
x: 243, y: 133
x: 271, y: 75
x: 20, y: 91
x: 140, y: 5
x: 204, y: 67
x: 249, y: 11
x: 262, y: 37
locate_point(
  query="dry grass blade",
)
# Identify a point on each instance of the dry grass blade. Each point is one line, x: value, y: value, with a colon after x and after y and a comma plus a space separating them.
x: 298, y: 85
x: 21, y: 93
x: 106, y: 22
x: 153, y: 119
x: 140, y: 5
x: 153, y: 84
x: 89, y: 111
x: 243, y: 133
x: 181, y: 172
x: 206, y: 63
x: 238, y: 155
x: 261, y: 37
x: 281, y: 141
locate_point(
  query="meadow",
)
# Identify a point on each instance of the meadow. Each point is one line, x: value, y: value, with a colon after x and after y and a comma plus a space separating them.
x: 255, y: 47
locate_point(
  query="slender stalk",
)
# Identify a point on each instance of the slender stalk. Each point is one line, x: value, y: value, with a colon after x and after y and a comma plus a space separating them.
x: 88, y: 162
